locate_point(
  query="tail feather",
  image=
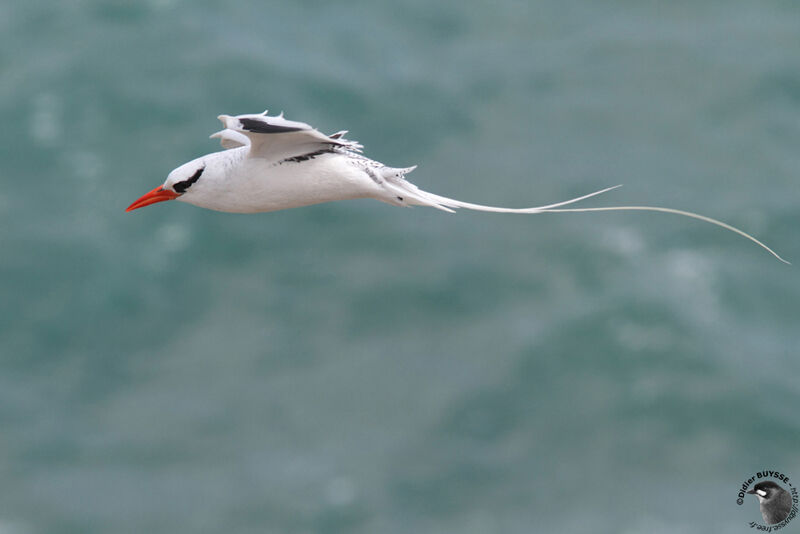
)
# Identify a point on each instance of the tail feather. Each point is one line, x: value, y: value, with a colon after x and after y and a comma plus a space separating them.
x: 494, y: 209
x: 413, y: 195
x: 672, y: 211
x: 409, y: 194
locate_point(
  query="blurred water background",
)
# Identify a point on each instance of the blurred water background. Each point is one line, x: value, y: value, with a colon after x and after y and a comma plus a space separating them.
x: 357, y: 367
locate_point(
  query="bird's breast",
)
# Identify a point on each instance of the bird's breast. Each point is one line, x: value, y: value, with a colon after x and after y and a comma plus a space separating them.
x: 259, y: 185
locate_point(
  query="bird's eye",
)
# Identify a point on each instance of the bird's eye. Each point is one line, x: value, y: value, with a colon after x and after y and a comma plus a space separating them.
x: 183, y: 185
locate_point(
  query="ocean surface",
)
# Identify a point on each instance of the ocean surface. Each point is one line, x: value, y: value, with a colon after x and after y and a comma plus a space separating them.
x: 361, y: 368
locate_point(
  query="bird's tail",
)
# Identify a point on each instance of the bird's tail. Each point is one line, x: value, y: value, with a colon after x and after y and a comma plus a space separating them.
x: 407, y: 193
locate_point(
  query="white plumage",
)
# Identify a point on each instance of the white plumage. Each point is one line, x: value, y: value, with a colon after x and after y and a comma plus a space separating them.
x: 271, y: 163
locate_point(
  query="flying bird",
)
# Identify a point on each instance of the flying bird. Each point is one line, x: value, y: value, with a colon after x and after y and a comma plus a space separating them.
x: 774, y: 501
x: 271, y: 163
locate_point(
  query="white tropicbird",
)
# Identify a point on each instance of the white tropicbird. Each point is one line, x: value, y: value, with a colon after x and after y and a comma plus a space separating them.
x: 271, y: 163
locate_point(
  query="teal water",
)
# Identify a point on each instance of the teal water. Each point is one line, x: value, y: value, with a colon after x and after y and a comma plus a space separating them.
x: 356, y: 367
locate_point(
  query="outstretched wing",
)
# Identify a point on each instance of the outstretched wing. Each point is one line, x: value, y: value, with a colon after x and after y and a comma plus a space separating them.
x: 230, y: 139
x: 276, y: 138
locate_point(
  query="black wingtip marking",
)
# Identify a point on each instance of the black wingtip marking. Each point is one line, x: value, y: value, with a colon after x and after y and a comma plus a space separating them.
x: 259, y: 126
x: 182, y: 186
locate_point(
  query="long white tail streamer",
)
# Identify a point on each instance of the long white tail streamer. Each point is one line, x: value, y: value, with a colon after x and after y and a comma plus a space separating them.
x: 444, y: 203
x: 689, y: 214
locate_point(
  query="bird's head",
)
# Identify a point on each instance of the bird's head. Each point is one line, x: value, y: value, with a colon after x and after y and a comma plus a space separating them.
x: 765, y: 490
x: 179, y: 182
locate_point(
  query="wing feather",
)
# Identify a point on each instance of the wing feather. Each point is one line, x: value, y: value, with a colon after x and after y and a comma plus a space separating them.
x: 276, y: 138
x: 230, y: 139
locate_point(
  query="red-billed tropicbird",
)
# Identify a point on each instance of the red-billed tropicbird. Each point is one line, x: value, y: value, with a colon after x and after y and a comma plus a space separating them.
x: 271, y: 163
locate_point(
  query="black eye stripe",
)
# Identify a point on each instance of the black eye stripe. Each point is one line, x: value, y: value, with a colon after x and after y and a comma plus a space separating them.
x: 182, y: 186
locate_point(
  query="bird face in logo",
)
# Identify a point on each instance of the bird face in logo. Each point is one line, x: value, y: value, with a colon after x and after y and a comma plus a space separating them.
x: 775, y: 502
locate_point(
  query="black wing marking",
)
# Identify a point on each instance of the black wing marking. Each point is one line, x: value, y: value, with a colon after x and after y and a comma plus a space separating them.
x: 308, y: 156
x: 267, y: 141
x: 261, y: 126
